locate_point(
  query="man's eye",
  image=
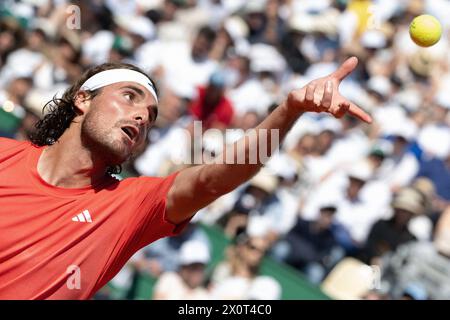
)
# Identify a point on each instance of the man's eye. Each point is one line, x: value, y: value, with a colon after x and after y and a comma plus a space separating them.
x: 129, y: 96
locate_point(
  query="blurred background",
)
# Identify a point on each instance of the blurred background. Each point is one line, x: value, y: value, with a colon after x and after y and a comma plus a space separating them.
x: 344, y: 210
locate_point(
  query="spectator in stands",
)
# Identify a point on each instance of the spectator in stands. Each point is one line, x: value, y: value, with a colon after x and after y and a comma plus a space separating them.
x: 309, y: 245
x: 188, y: 282
x: 424, y: 264
x: 233, y: 278
x: 387, y: 235
x: 12, y: 102
x: 357, y: 209
x: 162, y: 256
x: 257, y: 200
x: 11, y: 37
x: 211, y: 106
x: 438, y: 170
x: 245, y: 91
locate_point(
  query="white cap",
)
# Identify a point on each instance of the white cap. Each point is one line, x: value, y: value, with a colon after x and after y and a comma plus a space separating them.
x: 406, y: 129
x: 97, y: 47
x: 302, y: 22
x: 264, y: 288
x: 180, y: 86
x: 320, y: 69
x: 380, y: 85
x: 22, y: 10
x: 258, y: 226
x: 236, y: 27
x: 266, y: 58
x: 255, y: 6
x: 194, y: 251
x: 171, y: 31
x: 49, y: 28
x: 311, y: 6
x: 373, y: 39
x: 149, y: 4
x: 435, y: 140
x: 283, y: 166
x: 138, y: 25
x: 409, y: 98
x: 360, y: 170
x: 331, y: 124
x: 264, y: 180
x: 394, y: 121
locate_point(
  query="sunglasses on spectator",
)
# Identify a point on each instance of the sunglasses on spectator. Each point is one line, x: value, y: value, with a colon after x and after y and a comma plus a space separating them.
x: 253, y: 247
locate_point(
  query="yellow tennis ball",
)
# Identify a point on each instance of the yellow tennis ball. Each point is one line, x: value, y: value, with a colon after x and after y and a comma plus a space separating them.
x: 425, y: 30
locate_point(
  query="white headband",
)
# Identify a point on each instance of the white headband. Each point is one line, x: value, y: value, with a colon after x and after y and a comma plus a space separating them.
x: 108, y: 77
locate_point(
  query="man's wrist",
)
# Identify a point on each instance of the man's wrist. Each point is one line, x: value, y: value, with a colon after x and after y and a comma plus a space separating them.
x: 293, y: 111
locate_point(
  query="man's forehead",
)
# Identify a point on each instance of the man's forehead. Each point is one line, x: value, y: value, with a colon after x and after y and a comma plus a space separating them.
x: 124, y: 84
x: 137, y: 87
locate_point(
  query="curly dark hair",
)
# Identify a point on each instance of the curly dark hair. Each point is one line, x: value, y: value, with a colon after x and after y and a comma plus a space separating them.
x: 60, y: 112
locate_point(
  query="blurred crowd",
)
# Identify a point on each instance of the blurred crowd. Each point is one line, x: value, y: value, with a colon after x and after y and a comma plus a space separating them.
x: 361, y: 210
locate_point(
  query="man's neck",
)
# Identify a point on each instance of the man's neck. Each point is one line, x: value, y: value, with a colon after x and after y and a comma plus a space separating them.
x: 68, y: 164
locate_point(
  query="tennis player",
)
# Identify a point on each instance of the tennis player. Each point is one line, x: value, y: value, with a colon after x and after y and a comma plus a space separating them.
x: 67, y: 226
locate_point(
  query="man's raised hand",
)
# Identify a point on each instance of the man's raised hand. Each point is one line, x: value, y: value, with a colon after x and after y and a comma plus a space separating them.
x: 322, y: 95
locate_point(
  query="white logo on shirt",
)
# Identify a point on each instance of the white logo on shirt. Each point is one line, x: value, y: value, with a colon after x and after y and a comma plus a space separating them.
x: 85, y: 216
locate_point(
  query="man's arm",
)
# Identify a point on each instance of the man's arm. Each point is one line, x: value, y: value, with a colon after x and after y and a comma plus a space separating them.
x: 196, y: 187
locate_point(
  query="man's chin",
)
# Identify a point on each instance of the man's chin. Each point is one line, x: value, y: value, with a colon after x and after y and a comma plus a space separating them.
x: 116, y: 154
x: 119, y: 158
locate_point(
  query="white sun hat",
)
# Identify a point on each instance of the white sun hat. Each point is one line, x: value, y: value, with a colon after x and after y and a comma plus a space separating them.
x: 360, y: 170
x: 194, y: 251
x: 138, y: 25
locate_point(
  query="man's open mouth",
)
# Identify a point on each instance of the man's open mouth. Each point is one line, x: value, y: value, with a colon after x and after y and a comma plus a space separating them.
x: 131, y: 131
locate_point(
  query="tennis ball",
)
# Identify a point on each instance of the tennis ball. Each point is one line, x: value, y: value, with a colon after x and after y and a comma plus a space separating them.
x: 425, y: 30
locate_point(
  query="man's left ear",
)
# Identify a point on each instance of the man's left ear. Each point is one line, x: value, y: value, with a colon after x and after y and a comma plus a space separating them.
x: 82, y: 102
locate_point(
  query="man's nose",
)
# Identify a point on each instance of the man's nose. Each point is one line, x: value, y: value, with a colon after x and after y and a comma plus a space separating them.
x: 142, y: 117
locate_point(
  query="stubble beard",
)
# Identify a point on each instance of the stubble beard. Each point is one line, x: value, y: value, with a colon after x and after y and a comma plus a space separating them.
x: 103, y: 143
